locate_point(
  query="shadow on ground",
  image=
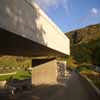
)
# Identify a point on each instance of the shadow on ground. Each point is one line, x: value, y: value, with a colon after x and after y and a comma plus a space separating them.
x: 42, y: 92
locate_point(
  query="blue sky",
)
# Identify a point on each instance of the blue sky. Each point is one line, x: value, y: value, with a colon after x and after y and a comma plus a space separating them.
x: 72, y: 14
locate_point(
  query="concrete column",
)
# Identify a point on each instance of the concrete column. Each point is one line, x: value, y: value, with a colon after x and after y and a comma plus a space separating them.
x: 44, y: 72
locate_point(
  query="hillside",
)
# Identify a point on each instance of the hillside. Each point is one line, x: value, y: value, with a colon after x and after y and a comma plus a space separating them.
x: 13, y: 67
x: 85, y: 34
x: 85, y: 45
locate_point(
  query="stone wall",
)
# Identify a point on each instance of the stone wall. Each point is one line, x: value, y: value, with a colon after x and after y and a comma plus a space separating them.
x: 49, y: 71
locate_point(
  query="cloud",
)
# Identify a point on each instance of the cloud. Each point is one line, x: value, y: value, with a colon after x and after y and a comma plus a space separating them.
x: 94, y: 12
x: 46, y: 4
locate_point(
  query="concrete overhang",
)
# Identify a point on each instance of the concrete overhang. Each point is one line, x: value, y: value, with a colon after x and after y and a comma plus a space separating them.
x: 25, y: 30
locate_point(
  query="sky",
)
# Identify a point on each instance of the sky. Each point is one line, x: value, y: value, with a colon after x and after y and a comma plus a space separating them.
x: 72, y: 14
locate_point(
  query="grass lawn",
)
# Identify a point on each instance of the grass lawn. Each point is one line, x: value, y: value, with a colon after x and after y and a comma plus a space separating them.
x: 19, y: 75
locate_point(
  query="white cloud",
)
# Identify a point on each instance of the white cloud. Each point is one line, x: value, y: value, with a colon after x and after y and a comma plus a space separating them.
x: 92, y: 15
x: 94, y: 12
x: 45, y: 4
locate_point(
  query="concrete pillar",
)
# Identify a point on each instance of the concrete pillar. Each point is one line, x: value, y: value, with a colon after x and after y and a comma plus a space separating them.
x: 44, y: 72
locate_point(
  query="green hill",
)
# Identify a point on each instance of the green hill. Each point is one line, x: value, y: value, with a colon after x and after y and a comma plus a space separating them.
x: 85, y: 34
x: 13, y: 63
x: 85, y: 45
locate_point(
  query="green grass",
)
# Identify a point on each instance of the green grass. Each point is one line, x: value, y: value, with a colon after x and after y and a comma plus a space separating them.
x: 20, y: 75
x: 5, y: 77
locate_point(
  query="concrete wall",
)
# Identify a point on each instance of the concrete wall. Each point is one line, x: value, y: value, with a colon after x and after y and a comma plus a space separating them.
x: 45, y: 73
x: 26, y: 19
x: 2, y: 84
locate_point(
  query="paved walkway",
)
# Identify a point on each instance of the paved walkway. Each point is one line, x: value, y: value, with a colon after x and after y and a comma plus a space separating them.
x: 8, y: 74
x: 77, y: 88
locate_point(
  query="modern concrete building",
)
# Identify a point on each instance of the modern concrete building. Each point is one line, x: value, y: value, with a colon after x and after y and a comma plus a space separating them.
x: 30, y: 31
x: 25, y: 30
